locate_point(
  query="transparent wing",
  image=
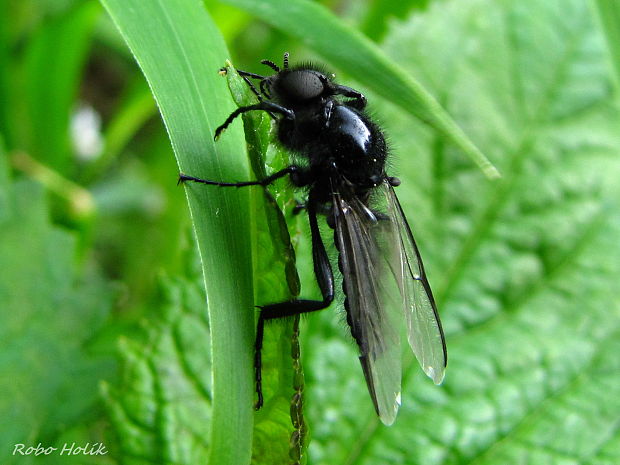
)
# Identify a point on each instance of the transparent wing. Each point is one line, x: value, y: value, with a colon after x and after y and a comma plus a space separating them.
x: 424, y: 330
x: 369, y: 298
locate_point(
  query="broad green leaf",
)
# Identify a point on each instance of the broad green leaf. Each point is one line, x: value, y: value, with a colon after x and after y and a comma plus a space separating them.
x: 352, y: 52
x: 50, y: 311
x: 162, y: 406
x: 525, y: 270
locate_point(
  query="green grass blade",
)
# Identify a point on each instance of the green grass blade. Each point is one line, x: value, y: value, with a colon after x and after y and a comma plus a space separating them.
x: 54, y: 62
x: 179, y: 51
x: 335, y: 40
x: 5, y: 130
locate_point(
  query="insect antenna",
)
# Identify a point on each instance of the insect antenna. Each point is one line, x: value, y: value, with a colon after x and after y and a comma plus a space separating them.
x: 271, y: 64
x: 285, y: 61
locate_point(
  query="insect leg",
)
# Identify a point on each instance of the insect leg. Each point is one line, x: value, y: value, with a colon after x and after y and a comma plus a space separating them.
x: 245, y: 75
x: 263, y: 105
x: 322, y: 267
x: 248, y: 74
x: 259, y: 94
x: 264, y: 88
x: 252, y: 87
x: 256, y: 92
x: 325, y: 280
x: 296, y: 173
x: 359, y: 101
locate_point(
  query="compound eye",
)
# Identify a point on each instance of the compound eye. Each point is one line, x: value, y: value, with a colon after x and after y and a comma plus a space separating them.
x: 304, y: 84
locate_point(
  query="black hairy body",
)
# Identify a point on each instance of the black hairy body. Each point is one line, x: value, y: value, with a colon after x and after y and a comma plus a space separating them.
x: 384, y: 281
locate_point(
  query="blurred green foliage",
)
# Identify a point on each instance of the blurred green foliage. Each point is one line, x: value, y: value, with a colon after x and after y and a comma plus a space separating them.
x: 104, y: 330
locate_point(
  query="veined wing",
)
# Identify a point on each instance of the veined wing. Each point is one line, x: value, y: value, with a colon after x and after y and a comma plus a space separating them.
x: 370, y: 299
x: 424, y: 330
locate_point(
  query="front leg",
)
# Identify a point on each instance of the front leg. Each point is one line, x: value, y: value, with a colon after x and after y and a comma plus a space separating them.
x: 264, y: 105
x: 359, y: 100
x: 300, y: 177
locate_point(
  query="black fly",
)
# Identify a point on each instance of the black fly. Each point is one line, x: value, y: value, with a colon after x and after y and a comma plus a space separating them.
x: 342, y: 154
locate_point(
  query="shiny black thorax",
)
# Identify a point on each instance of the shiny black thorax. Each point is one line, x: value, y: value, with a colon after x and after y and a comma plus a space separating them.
x: 342, y: 146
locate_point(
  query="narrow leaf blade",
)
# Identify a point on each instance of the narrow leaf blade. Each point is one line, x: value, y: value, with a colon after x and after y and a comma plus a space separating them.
x: 180, y: 51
